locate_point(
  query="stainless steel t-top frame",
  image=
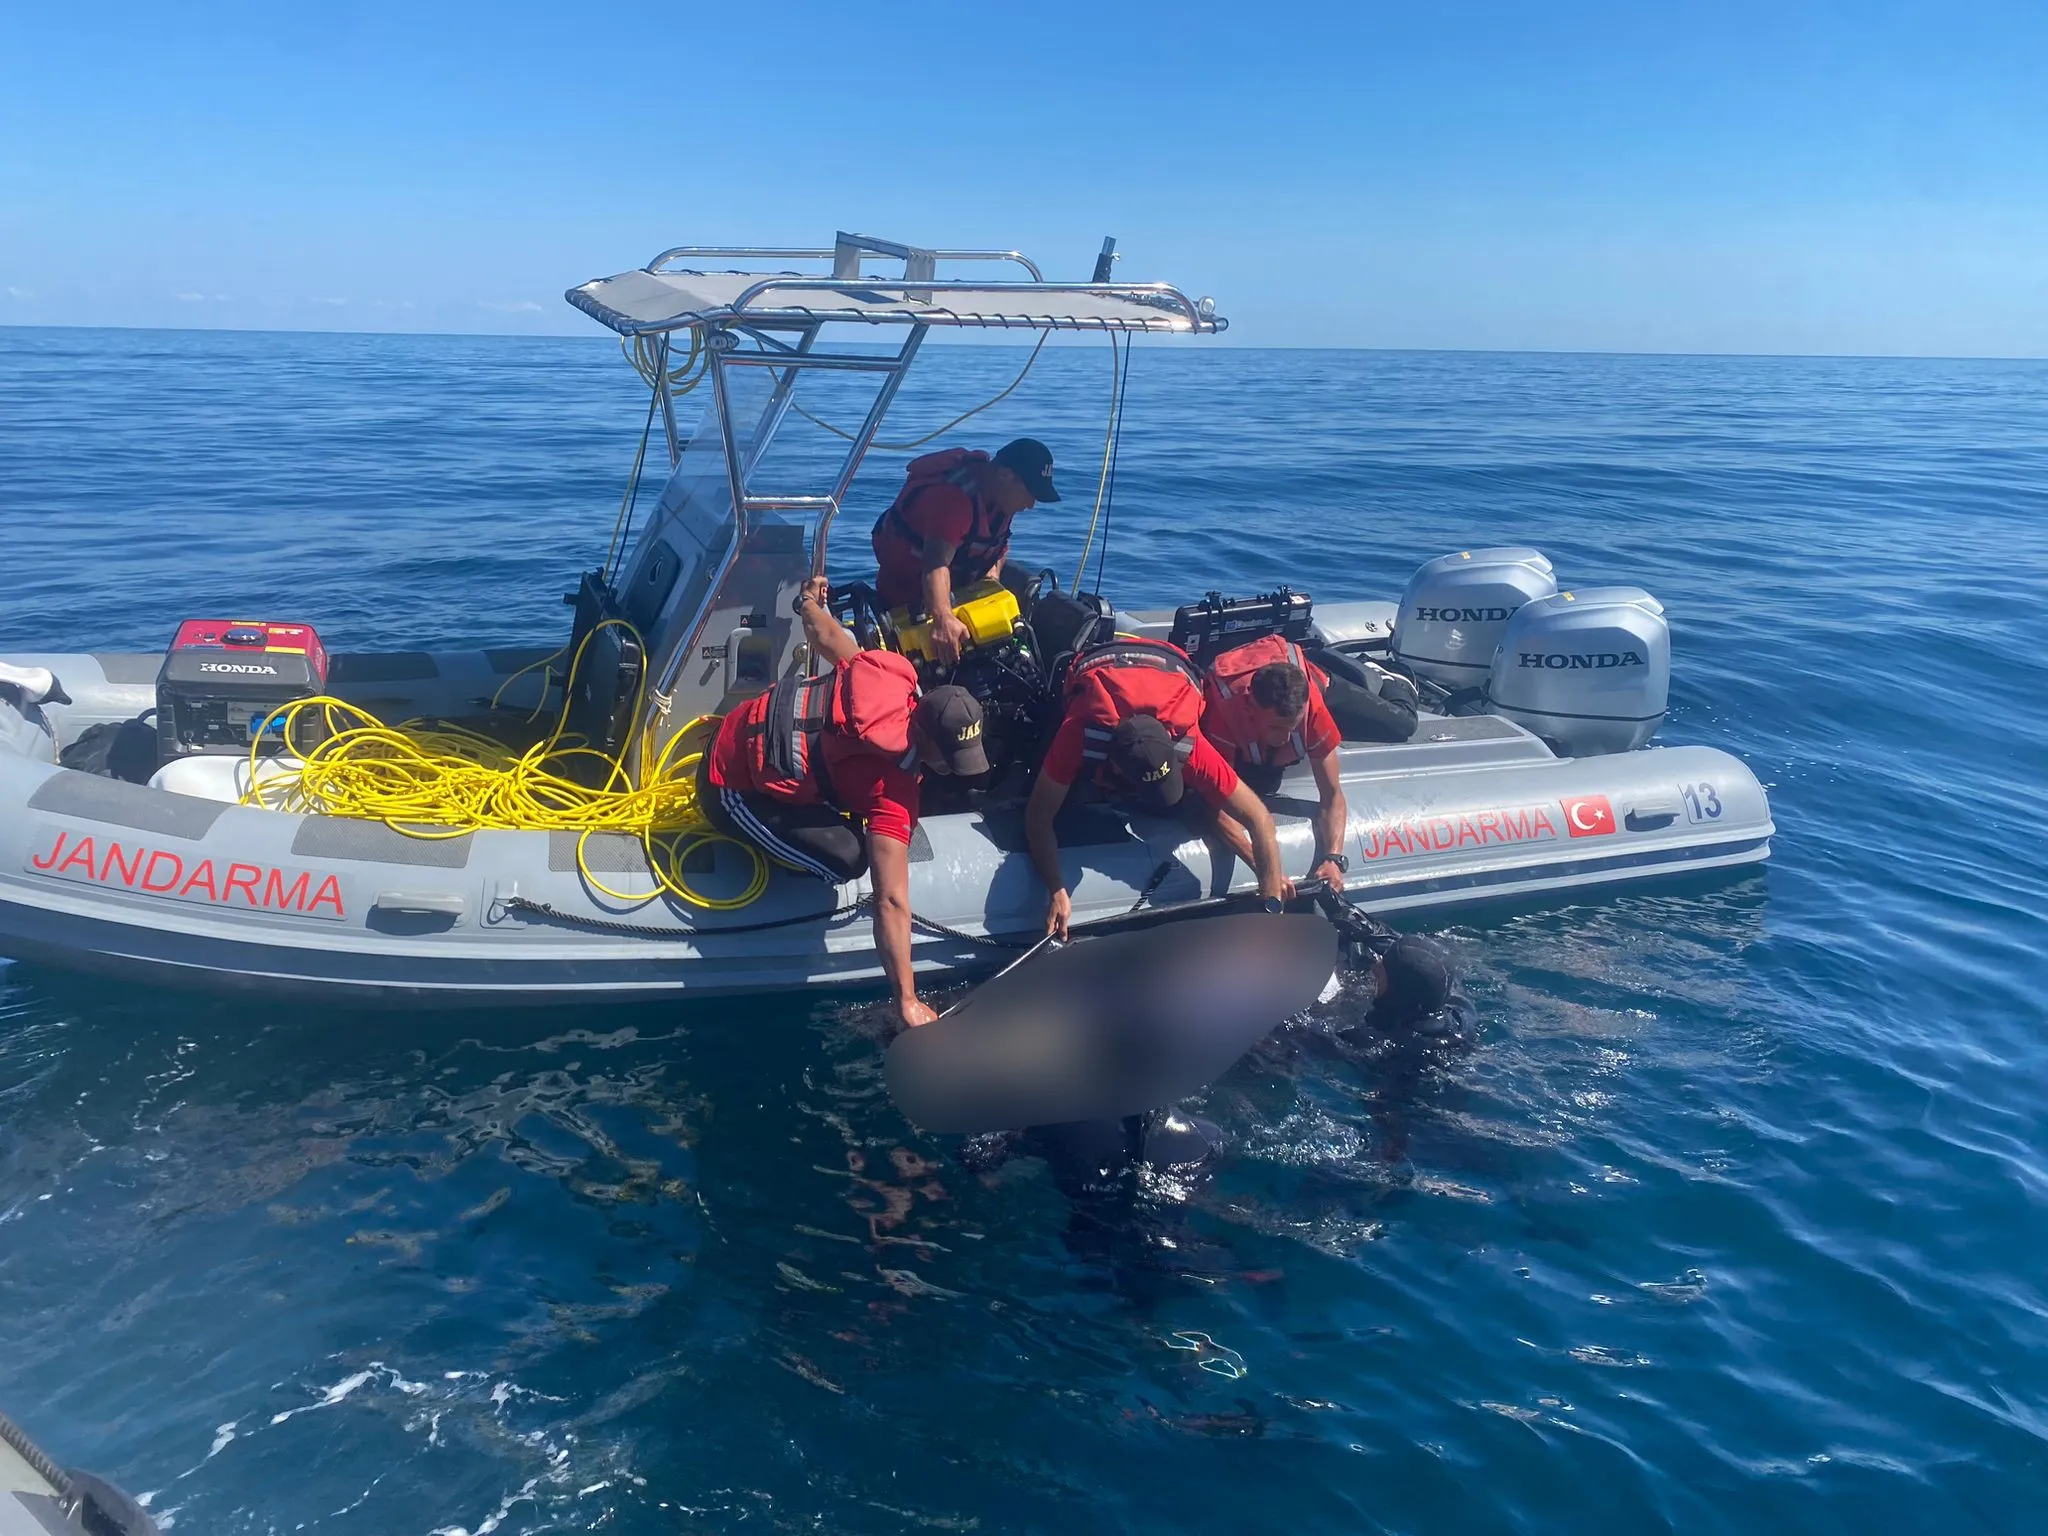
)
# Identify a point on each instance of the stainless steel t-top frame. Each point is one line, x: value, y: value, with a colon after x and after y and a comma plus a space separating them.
x: 753, y: 319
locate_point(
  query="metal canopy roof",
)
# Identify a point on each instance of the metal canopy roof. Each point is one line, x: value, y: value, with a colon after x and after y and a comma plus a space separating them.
x: 658, y: 297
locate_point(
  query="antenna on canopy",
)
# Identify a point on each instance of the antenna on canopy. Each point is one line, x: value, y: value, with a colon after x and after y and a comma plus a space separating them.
x: 1105, y: 261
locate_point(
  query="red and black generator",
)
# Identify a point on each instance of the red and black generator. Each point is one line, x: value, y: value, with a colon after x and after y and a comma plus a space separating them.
x: 225, y: 683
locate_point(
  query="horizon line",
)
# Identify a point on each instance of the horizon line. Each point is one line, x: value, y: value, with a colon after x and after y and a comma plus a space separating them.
x: 603, y: 334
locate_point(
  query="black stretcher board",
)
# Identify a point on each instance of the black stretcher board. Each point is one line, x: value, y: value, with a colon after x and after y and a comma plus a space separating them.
x: 1112, y: 1024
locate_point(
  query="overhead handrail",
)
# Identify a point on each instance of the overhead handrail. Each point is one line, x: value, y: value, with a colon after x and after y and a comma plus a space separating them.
x: 790, y: 253
x: 1138, y: 292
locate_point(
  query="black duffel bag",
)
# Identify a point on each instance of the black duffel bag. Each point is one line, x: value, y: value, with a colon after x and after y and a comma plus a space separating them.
x: 1368, y: 702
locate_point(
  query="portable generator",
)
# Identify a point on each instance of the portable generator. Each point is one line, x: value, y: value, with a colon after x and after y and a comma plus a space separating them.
x: 225, y: 684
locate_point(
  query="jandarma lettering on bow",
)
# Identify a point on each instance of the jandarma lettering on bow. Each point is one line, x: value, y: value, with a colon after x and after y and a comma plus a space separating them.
x: 1411, y: 836
x: 187, y: 877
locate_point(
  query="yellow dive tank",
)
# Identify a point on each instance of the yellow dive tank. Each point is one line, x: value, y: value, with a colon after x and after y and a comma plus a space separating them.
x: 988, y: 609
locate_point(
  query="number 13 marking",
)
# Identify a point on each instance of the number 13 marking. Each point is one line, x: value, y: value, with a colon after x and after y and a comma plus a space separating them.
x: 1701, y: 803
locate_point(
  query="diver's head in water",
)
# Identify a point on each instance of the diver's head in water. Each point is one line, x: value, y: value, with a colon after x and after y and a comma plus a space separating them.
x: 1411, y: 981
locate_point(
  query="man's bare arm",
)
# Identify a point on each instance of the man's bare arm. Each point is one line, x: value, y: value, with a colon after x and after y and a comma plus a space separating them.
x: 1248, y: 808
x: 889, y: 861
x: 1330, y: 816
x: 1046, y: 799
x: 827, y: 637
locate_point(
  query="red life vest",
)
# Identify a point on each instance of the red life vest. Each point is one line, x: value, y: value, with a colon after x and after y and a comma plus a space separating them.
x: 1230, y: 686
x: 1109, y: 683
x: 868, y: 699
x: 899, y: 542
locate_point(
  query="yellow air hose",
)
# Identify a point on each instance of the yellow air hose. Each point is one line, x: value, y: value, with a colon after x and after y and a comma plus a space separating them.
x: 432, y: 780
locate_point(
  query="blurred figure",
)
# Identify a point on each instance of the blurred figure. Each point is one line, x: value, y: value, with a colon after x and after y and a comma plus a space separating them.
x: 1110, y: 1171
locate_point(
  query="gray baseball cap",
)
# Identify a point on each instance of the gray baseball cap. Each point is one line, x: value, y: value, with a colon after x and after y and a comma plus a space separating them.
x: 951, y: 716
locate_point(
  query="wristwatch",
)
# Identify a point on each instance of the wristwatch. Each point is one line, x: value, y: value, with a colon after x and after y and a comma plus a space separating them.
x: 1343, y: 864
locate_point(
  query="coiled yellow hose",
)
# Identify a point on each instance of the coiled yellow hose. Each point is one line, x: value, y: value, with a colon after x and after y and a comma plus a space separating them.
x: 434, y: 780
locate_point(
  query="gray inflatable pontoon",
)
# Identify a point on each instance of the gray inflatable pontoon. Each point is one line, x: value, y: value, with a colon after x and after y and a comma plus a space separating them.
x: 1527, y: 777
x: 40, y: 1498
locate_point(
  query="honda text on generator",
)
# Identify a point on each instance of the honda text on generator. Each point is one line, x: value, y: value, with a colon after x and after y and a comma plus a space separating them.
x: 225, y: 684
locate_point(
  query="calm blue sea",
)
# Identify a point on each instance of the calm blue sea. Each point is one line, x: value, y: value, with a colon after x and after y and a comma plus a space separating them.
x: 1733, y: 1219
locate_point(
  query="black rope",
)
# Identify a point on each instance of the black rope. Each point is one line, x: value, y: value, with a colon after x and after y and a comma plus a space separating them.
x: 651, y: 931
x: 1116, y: 448
x: 988, y: 939
x: 1166, y: 867
x: 12, y: 1436
x: 617, y: 559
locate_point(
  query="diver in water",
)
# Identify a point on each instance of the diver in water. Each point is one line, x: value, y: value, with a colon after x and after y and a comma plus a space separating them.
x: 1417, y: 1018
x: 1413, y: 990
x: 1412, y: 994
x: 1414, y: 1004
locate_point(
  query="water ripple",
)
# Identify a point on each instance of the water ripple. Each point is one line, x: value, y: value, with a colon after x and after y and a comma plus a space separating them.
x: 1724, y: 1221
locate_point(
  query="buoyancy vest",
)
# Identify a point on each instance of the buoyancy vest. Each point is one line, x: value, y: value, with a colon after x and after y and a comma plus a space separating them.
x: 977, y: 554
x: 1230, y: 684
x: 868, y: 699
x: 1111, y: 682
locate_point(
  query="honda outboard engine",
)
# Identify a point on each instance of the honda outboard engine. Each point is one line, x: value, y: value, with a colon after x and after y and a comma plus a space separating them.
x: 1457, y: 607
x: 1588, y: 670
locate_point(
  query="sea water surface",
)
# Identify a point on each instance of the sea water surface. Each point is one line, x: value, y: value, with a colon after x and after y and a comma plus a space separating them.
x: 1733, y: 1218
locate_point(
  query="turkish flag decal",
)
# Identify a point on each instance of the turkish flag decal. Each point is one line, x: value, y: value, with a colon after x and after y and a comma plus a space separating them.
x: 1588, y: 815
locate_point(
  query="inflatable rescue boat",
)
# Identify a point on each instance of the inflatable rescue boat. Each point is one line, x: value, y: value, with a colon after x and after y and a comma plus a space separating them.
x: 140, y: 833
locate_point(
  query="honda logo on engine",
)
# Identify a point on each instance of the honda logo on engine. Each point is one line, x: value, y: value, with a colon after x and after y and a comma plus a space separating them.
x: 1583, y: 661
x: 1463, y: 615
x: 237, y: 666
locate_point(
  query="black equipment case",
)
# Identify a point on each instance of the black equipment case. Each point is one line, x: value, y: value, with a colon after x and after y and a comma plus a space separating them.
x: 1216, y: 624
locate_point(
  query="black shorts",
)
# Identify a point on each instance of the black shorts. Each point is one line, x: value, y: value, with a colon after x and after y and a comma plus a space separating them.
x: 817, y: 840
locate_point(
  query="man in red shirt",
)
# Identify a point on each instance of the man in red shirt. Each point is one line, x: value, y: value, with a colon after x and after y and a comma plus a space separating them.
x: 1132, y: 728
x: 821, y: 774
x: 1263, y: 708
x: 949, y: 527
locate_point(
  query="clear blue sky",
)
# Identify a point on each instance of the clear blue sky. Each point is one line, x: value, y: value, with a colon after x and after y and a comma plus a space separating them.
x: 1761, y: 177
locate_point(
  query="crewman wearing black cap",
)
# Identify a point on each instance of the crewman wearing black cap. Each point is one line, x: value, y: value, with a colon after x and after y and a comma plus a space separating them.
x: 821, y: 773
x: 1133, y: 727
x: 949, y: 527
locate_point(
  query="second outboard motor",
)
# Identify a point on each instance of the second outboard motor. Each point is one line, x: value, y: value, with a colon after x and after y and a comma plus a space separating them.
x: 1589, y: 671
x: 1457, y: 608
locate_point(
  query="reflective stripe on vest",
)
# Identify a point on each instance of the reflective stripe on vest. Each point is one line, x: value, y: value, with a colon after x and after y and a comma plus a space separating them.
x: 1297, y: 741
x: 782, y: 744
x: 1133, y: 652
x: 1154, y: 656
x: 1294, y: 657
x: 1296, y: 749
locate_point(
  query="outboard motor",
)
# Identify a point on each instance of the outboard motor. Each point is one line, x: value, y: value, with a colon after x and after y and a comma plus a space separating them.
x: 1457, y: 607
x: 1589, y: 670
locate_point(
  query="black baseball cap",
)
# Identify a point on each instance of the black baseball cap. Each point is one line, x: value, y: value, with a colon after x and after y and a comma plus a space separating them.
x: 1141, y: 755
x: 951, y: 716
x: 1030, y: 461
